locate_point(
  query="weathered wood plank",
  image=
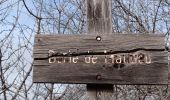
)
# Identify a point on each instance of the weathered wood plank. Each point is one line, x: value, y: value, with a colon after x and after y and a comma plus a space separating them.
x: 102, y: 73
x: 85, y: 43
x: 81, y: 72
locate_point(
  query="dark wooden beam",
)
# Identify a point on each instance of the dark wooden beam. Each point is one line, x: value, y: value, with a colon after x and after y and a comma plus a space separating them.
x: 85, y: 48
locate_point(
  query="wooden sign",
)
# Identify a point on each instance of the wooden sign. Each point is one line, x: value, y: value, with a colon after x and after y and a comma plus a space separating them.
x: 104, y: 59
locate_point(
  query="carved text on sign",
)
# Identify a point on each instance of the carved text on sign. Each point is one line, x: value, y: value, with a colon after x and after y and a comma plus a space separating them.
x: 125, y: 58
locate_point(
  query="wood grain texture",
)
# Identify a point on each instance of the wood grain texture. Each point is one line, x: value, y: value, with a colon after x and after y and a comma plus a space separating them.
x: 85, y: 43
x: 99, y: 16
x: 154, y: 73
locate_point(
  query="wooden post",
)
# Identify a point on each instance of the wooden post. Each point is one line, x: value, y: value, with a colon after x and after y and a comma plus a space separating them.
x: 85, y: 58
x: 99, y: 16
x: 99, y: 19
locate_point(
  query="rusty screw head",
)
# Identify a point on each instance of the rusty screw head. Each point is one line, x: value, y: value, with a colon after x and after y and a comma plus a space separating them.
x: 98, y: 77
x: 39, y: 39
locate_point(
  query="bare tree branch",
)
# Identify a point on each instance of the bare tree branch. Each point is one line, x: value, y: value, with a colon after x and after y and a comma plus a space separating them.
x: 20, y: 87
x: 2, y: 77
x: 128, y: 12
